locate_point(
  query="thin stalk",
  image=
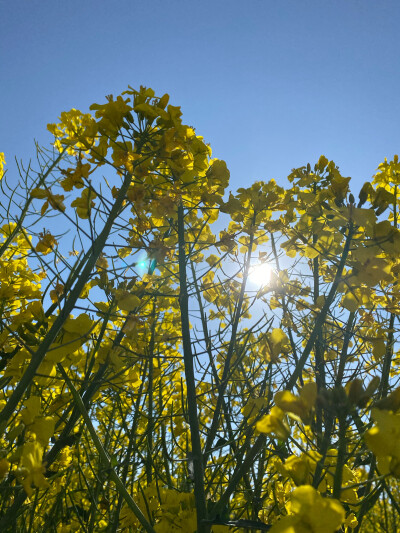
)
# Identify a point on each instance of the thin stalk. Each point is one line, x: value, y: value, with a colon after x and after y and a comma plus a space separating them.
x: 322, y: 314
x: 225, y: 374
x: 150, y: 414
x: 240, y: 471
x: 127, y: 459
x: 104, y: 456
x: 18, y: 226
x: 341, y: 456
x: 39, y: 355
x: 343, y: 355
x: 198, y: 469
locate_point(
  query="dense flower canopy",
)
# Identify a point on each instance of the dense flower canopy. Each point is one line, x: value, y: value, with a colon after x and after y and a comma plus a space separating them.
x: 149, y: 383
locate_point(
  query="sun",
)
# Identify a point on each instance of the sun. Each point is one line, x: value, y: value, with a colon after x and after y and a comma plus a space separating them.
x: 260, y: 274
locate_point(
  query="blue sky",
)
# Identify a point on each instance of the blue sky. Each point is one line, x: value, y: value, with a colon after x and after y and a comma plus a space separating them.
x: 270, y: 84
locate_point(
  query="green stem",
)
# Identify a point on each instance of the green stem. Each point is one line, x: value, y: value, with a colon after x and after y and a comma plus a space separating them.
x: 39, y: 355
x: 322, y: 315
x: 337, y: 481
x: 197, y: 456
x: 18, y: 226
x: 103, y: 454
x: 233, y: 340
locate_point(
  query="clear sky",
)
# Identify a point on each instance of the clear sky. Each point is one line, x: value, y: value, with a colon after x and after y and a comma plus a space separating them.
x: 271, y: 84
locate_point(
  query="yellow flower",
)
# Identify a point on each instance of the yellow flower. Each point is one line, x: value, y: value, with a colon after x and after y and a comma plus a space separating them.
x: 76, y: 130
x: 297, y: 468
x: 31, y: 469
x: 43, y: 428
x: 84, y: 203
x: 31, y: 411
x: 2, y: 163
x: 111, y: 114
x: 277, y: 344
x: 301, y: 405
x: 253, y: 407
x: 127, y: 301
x: 46, y: 243
x: 73, y: 335
x: 54, y: 200
x: 383, y: 440
x: 274, y: 424
x: 218, y: 172
x: 75, y: 176
x: 310, y: 513
x: 350, y: 522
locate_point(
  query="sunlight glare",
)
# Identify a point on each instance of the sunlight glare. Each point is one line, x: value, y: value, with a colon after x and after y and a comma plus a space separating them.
x: 260, y: 274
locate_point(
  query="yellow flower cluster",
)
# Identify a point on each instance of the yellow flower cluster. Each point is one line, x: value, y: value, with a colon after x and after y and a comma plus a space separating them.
x: 309, y: 512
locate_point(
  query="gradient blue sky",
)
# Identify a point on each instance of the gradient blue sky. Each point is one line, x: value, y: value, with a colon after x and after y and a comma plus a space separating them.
x: 271, y: 84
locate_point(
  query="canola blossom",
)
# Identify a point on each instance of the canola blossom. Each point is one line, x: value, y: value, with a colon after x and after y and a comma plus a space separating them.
x: 179, y: 357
